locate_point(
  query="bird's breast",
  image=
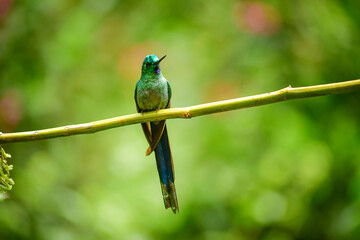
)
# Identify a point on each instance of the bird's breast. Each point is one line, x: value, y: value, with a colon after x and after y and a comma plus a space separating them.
x: 152, y: 95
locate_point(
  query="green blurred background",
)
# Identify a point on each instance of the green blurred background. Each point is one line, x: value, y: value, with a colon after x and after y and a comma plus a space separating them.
x: 283, y: 171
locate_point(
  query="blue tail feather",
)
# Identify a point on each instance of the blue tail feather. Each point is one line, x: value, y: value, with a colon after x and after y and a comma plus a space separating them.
x: 165, y: 168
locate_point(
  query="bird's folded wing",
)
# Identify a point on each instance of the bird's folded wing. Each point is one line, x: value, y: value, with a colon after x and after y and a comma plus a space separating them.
x: 147, y: 132
x: 155, y: 136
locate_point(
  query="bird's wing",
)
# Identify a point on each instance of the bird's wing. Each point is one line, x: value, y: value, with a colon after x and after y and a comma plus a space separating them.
x: 145, y: 126
x: 147, y: 132
x: 156, y: 137
x: 169, y: 95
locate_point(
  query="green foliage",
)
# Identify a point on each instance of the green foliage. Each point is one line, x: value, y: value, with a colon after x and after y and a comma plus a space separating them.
x: 6, y: 182
x: 284, y: 171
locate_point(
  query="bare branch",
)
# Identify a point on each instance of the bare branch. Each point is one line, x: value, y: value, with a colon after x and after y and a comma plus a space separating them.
x: 186, y: 112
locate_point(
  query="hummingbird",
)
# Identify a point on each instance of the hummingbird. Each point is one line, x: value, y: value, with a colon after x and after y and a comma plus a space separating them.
x: 153, y: 92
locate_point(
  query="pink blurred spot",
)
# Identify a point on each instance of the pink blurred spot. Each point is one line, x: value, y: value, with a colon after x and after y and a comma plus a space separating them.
x: 10, y: 109
x: 4, y: 7
x: 256, y: 18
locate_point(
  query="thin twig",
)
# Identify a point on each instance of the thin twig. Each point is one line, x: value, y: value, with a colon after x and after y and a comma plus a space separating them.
x: 186, y: 112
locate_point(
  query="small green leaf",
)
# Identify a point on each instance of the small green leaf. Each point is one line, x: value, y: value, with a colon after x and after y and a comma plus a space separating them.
x: 6, y: 182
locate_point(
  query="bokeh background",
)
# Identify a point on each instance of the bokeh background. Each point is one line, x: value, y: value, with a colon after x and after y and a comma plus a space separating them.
x: 289, y: 170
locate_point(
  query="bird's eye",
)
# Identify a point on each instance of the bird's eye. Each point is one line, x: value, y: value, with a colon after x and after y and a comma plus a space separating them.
x: 156, y: 69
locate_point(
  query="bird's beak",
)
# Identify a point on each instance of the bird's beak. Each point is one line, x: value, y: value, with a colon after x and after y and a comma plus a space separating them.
x: 158, y: 62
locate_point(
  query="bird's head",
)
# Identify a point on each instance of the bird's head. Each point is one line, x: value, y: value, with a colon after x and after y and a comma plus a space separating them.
x: 151, y: 64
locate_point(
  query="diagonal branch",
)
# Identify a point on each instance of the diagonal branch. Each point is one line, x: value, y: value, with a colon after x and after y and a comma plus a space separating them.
x: 186, y: 112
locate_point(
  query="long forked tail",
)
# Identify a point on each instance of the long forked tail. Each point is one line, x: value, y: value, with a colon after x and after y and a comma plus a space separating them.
x: 165, y: 168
